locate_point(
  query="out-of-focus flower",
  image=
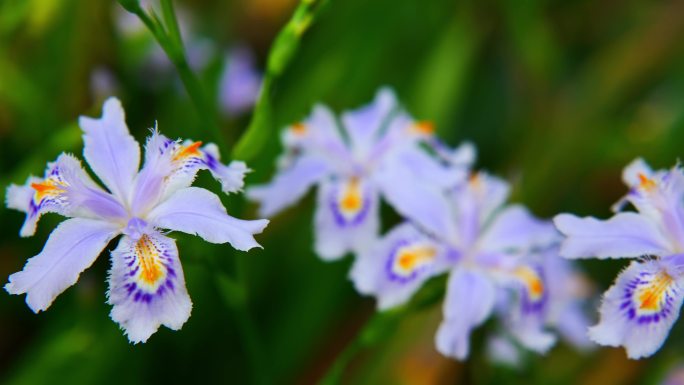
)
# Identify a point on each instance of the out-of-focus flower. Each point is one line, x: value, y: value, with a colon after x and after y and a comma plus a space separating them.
x: 146, y: 283
x: 486, y: 247
x: 375, y: 153
x: 240, y: 82
x: 639, y: 310
x: 675, y: 376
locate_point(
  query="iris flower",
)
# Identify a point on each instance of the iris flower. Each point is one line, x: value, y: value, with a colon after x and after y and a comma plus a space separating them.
x: 377, y: 151
x: 146, y: 283
x: 485, y: 247
x: 639, y: 310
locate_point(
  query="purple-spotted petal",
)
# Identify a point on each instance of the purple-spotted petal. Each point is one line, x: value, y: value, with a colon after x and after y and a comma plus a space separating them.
x: 289, y: 185
x: 469, y: 302
x: 515, y: 229
x: 639, y: 310
x: 67, y: 190
x: 347, y: 217
x: 147, y: 287
x: 194, y: 210
x: 527, y: 319
x: 110, y: 150
x: 622, y: 236
x: 397, y: 265
x: 71, y: 248
x: 171, y: 165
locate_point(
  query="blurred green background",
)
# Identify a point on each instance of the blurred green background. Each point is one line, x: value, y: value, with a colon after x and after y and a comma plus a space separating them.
x: 557, y: 95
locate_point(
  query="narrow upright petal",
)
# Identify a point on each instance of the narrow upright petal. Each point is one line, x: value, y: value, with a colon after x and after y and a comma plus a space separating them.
x: 469, y: 302
x: 110, y: 150
x: 639, y: 310
x: 67, y: 190
x: 240, y: 82
x: 289, y: 185
x: 72, y: 247
x: 622, y: 236
x: 147, y: 286
x: 364, y: 124
x: 197, y: 211
x: 347, y: 217
x: 396, y: 266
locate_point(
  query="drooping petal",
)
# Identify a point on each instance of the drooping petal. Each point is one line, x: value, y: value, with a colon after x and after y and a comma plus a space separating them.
x: 347, y: 217
x: 147, y: 286
x: 288, y: 186
x: 71, y: 248
x: 515, y: 229
x: 110, y: 150
x: 364, y: 124
x: 194, y: 210
x: 67, y: 190
x: 526, y: 320
x: 397, y: 265
x: 469, y: 302
x: 639, y: 310
x: 624, y: 235
x: 424, y: 204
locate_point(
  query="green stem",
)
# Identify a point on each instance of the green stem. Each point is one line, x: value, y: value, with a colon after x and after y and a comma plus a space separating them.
x: 283, y: 50
x: 380, y: 327
x: 167, y: 34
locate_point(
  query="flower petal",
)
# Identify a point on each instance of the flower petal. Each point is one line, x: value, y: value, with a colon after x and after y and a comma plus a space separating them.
x: 288, y: 186
x: 240, y: 82
x: 639, y: 310
x: 71, y: 248
x: 147, y: 287
x: 624, y: 235
x: 397, y: 265
x: 469, y: 302
x: 194, y: 210
x: 515, y: 229
x: 171, y: 165
x: 526, y: 319
x: 66, y: 190
x: 364, y: 124
x: 424, y: 204
x: 347, y: 217
x: 110, y: 150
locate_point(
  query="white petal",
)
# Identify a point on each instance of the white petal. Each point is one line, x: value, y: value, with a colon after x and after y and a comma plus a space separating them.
x: 194, y: 210
x: 110, y: 150
x: 469, y: 302
x: 72, y: 247
x: 622, y: 236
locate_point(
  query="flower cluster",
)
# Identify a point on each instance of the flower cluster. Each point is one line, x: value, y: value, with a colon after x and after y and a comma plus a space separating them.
x: 639, y: 310
x: 146, y: 283
x: 500, y: 258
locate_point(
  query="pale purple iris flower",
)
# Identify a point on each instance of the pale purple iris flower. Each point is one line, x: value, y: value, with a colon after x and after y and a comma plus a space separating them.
x: 562, y: 311
x: 146, y: 283
x: 486, y: 250
x: 240, y: 82
x: 375, y: 152
x: 639, y: 310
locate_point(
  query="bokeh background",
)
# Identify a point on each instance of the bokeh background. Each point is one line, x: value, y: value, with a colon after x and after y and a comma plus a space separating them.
x: 557, y: 95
